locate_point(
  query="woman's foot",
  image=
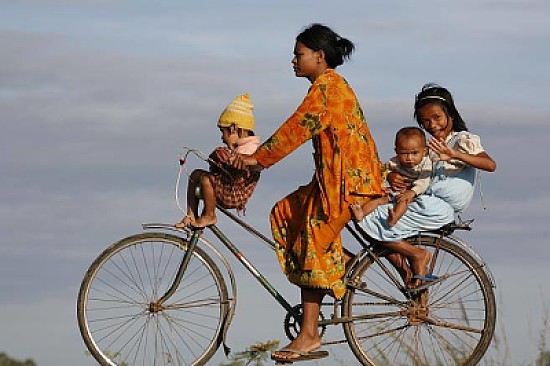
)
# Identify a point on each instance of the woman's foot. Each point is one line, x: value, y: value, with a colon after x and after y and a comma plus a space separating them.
x: 204, y: 221
x: 418, y: 266
x: 296, y: 349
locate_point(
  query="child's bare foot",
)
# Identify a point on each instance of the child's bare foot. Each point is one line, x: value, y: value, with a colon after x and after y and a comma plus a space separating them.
x: 357, y: 211
x: 360, y: 211
x: 418, y: 266
x: 205, y: 220
x: 187, y: 221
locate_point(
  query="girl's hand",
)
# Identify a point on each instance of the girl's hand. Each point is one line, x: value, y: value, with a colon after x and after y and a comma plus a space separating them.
x: 480, y: 161
x: 398, y: 182
x: 441, y: 148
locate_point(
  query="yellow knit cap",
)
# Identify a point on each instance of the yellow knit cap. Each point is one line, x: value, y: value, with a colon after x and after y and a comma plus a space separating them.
x: 238, y: 113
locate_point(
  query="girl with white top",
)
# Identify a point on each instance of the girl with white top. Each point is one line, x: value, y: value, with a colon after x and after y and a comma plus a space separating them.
x: 457, y: 154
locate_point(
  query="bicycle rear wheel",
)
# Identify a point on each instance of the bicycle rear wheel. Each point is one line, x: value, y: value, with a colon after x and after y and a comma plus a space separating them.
x: 119, y: 319
x: 453, y: 325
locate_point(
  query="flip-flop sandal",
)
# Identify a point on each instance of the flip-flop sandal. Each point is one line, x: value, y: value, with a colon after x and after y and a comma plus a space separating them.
x: 292, y: 355
x: 429, y: 277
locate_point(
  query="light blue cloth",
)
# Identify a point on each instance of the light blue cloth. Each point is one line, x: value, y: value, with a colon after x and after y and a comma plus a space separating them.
x: 446, y: 195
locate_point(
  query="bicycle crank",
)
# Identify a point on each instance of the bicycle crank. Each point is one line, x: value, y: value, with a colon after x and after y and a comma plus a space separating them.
x: 292, y: 325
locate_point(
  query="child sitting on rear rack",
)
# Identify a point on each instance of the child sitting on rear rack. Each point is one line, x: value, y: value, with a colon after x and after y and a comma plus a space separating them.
x: 223, y: 184
x: 457, y: 154
x: 412, y: 161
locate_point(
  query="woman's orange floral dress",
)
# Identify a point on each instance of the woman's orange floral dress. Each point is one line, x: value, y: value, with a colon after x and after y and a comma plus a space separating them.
x: 306, y: 224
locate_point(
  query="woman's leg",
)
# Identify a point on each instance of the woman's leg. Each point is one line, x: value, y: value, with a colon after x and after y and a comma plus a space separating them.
x: 309, y: 338
x: 298, y: 229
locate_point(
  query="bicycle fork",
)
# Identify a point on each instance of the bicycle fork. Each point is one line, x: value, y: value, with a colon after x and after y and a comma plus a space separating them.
x: 157, y: 306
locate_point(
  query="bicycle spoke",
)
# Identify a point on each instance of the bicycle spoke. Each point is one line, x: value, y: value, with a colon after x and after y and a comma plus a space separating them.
x: 450, y: 322
x: 120, y: 318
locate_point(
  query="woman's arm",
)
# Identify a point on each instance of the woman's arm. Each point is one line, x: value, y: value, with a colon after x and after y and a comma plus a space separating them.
x: 307, y: 121
x: 241, y: 161
x: 481, y: 161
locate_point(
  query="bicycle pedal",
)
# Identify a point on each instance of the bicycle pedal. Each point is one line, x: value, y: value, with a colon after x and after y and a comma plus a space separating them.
x: 416, y: 290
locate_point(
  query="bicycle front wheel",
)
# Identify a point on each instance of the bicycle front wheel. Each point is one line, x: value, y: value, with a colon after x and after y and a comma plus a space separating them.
x: 451, y: 324
x: 119, y: 317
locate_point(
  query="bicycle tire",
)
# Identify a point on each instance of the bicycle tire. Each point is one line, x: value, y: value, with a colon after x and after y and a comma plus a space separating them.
x: 114, y: 315
x: 461, y: 309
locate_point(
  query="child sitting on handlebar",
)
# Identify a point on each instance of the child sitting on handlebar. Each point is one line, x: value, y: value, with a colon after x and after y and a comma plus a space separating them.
x: 223, y: 184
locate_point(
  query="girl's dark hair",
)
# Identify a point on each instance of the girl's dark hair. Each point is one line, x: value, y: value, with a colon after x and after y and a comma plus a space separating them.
x: 320, y: 37
x: 432, y: 93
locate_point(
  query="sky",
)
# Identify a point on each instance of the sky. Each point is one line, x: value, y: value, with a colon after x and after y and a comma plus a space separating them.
x: 97, y: 98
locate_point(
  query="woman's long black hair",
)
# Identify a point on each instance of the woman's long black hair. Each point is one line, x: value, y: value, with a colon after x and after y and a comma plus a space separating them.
x: 320, y: 37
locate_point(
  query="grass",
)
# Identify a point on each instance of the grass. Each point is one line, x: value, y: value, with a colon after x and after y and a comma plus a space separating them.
x: 498, y: 353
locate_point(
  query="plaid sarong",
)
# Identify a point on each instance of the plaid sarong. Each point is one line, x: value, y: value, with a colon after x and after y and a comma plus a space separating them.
x: 232, y: 187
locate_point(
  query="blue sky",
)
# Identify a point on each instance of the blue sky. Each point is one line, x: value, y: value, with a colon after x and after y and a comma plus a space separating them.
x: 97, y: 97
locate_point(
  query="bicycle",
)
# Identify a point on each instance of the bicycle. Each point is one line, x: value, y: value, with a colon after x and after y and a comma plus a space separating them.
x: 161, y: 298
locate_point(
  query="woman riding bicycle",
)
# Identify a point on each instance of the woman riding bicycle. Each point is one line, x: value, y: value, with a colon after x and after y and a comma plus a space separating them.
x: 307, y: 223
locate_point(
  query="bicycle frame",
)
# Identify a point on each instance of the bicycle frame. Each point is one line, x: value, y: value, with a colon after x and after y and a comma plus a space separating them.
x: 292, y: 311
x: 366, y: 245
x: 193, y: 241
x: 123, y: 313
x: 366, y: 251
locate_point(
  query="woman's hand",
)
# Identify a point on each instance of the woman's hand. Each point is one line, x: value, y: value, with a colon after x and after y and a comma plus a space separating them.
x: 241, y: 161
x: 398, y: 182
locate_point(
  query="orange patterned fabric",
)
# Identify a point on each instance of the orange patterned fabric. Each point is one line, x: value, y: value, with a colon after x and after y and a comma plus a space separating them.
x: 347, y: 169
